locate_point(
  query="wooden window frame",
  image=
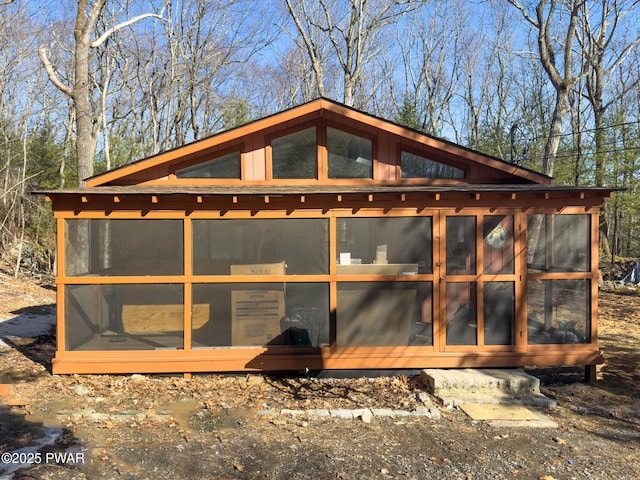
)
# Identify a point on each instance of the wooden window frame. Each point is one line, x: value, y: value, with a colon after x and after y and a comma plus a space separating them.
x: 322, y: 154
x: 233, y: 148
x: 403, y: 147
x: 590, y: 275
x: 357, y: 133
x: 283, y: 133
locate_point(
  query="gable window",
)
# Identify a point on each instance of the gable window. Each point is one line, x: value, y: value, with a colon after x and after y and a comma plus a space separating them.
x: 350, y: 156
x: 295, y: 155
x: 417, y: 166
x: 226, y: 166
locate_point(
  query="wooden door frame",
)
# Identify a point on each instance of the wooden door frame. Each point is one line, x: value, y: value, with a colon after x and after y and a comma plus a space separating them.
x: 442, y: 279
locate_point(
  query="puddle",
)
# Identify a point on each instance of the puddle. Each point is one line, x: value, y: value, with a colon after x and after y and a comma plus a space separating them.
x: 27, y: 456
x: 223, y: 419
x: 55, y: 444
x: 182, y: 411
x: 10, y: 377
x: 190, y: 416
x: 63, y: 406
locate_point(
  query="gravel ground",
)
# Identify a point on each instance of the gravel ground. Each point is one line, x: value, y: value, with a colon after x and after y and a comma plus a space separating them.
x: 209, y: 426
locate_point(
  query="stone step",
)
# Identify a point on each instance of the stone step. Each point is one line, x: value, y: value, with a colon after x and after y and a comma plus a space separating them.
x: 459, y: 387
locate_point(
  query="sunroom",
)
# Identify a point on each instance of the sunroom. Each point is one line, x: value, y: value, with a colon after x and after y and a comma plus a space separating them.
x: 324, y: 238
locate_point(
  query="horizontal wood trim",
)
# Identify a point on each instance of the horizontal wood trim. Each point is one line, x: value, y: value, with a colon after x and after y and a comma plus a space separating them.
x: 562, y: 275
x: 119, y: 279
x: 264, y: 360
x: 305, y: 209
x: 218, y: 279
x: 292, y: 207
x: 338, y: 186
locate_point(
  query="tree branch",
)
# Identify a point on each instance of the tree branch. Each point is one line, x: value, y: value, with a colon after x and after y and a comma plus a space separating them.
x: 526, y: 16
x: 99, y: 41
x: 51, y: 73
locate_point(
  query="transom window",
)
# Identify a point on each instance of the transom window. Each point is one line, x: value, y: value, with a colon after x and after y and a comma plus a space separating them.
x: 417, y: 166
x: 295, y: 155
x: 350, y: 156
x: 225, y: 166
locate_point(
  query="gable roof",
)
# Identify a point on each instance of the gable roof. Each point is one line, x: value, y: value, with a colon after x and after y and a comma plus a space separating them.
x: 314, y: 110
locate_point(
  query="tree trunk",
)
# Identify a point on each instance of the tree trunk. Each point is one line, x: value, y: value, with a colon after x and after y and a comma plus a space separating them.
x: 80, y: 92
x: 555, y: 131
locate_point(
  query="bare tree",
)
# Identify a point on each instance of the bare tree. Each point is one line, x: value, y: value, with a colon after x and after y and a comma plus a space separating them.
x: 283, y: 82
x: 188, y: 71
x: 430, y: 44
x: 489, y: 71
x: 557, y: 59
x: 87, y: 15
x: 344, y: 31
x: 604, y: 50
x: 598, y: 24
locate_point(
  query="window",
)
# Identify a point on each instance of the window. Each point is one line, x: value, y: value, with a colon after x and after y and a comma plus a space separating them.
x: 124, y: 317
x: 123, y: 247
x: 417, y: 166
x: 461, y: 245
x: 384, y: 245
x: 350, y: 156
x: 223, y: 247
x: 498, y: 244
x: 558, y: 243
x: 558, y: 311
x: 499, y: 313
x: 261, y: 314
x: 462, y: 319
x: 226, y: 166
x: 295, y: 155
x: 384, y: 314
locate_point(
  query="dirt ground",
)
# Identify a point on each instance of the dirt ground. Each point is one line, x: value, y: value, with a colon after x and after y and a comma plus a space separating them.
x: 206, y: 427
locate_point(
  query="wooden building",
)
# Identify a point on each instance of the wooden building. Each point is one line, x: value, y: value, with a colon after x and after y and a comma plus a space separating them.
x: 326, y: 238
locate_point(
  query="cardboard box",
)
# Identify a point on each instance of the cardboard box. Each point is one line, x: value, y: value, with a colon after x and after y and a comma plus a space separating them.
x: 256, y: 316
x: 378, y: 269
x: 260, y: 269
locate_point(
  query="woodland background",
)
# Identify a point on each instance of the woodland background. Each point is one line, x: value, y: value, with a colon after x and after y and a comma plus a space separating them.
x: 89, y: 85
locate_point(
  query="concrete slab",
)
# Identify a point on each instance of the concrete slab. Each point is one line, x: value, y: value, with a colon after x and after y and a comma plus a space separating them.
x: 542, y: 422
x: 492, y: 411
x: 508, y: 416
x: 455, y: 388
x: 514, y: 382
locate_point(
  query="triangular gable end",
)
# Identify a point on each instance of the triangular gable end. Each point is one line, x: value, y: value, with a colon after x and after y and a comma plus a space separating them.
x: 251, y: 143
